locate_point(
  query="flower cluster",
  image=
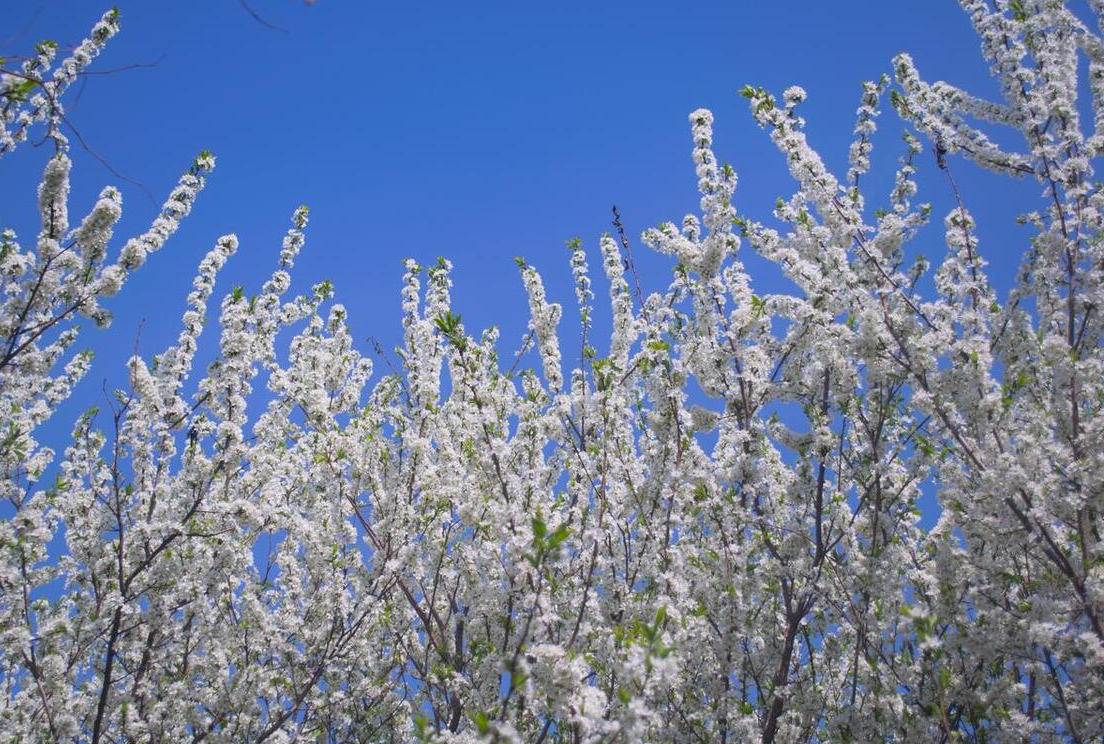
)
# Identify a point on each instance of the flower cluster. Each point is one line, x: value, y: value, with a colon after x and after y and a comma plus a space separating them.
x: 32, y: 93
x: 712, y: 533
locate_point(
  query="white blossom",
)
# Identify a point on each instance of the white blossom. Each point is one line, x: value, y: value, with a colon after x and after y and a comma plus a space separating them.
x: 712, y: 533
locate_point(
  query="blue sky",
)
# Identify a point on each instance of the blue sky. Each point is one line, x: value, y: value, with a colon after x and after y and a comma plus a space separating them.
x: 475, y: 131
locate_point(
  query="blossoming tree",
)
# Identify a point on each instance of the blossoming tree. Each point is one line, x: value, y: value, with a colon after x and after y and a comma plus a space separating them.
x: 638, y: 549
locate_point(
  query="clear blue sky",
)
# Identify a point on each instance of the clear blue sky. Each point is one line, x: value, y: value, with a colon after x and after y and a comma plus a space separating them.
x: 476, y: 131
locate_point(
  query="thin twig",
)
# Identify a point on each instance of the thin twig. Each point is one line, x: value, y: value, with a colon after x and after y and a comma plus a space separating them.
x: 258, y: 19
x: 25, y: 28
x: 103, y: 161
x: 124, y: 68
x: 521, y: 352
x: 629, y: 260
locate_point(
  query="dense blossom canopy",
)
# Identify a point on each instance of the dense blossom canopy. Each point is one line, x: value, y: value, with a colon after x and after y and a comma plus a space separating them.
x: 707, y: 531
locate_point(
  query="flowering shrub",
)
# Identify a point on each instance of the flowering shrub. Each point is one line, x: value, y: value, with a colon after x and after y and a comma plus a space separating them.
x: 640, y: 549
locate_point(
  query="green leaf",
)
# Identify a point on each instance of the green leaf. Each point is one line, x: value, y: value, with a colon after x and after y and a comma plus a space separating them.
x: 18, y: 91
x: 448, y: 323
x: 540, y: 529
x: 558, y: 536
x: 482, y: 725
